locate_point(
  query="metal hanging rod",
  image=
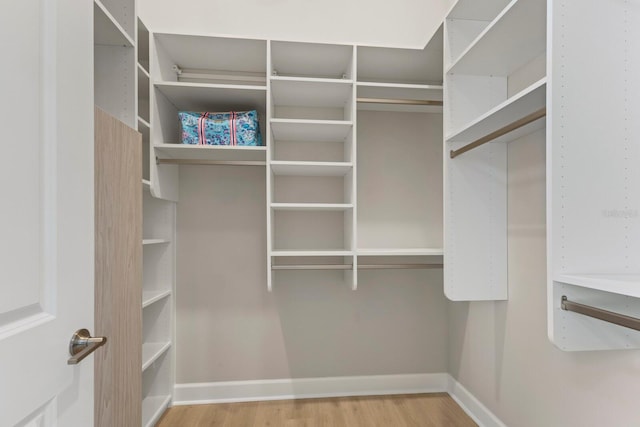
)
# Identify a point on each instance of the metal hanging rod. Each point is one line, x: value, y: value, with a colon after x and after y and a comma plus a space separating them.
x: 399, y: 101
x: 210, y: 162
x: 598, y: 313
x: 360, y: 266
x: 498, y: 133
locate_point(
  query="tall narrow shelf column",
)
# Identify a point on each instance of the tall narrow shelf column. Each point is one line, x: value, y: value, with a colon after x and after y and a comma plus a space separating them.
x: 494, y: 61
x: 311, y: 157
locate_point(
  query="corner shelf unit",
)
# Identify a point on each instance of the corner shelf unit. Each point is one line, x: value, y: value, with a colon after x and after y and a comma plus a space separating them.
x: 495, y: 76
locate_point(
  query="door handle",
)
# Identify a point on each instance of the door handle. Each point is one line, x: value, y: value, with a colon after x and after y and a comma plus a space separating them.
x: 83, y: 344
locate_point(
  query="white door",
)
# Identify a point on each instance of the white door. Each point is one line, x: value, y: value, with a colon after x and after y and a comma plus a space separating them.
x: 46, y: 212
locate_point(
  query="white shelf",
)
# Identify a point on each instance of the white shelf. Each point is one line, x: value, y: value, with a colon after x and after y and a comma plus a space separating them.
x: 310, y: 92
x: 211, y: 152
x: 215, y: 54
x: 310, y: 59
x: 311, y: 168
x: 213, y: 97
x: 144, y: 123
x: 152, y: 351
x: 518, y: 106
x: 150, y: 297
x: 319, y: 253
x: 107, y: 30
x: 146, y: 184
x: 152, y: 408
x: 401, y: 252
x: 310, y: 130
x: 311, y: 206
x: 515, y: 37
x: 623, y: 284
x: 143, y: 71
x: 404, y: 66
x: 154, y: 241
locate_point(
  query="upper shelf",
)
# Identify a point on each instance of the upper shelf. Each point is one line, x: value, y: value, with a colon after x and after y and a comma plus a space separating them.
x: 623, y: 284
x: 518, y: 106
x: 311, y: 60
x: 210, y: 152
x: 298, y: 130
x: 107, y: 30
x: 213, y: 55
x: 213, y: 97
x: 515, y: 37
x: 411, y: 66
x: 310, y: 92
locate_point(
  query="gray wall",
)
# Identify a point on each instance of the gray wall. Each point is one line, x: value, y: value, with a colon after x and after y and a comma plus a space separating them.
x: 500, y: 350
x: 228, y: 327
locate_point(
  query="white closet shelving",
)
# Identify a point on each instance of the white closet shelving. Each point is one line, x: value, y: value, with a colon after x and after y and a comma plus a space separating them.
x: 311, y: 141
x: 400, y: 208
x: 307, y: 95
x: 593, y: 183
x: 114, y: 58
x: 158, y: 261
x: 157, y: 306
x: 194, y: 73
x: 495, y: 75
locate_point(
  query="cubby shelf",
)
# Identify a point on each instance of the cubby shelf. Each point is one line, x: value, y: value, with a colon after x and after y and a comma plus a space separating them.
x: 310, y: 253
x: 401, y: 252
x: 520, y: 105
x: 515, y: 37
x: 154, y: 241
x: 107, y: 30
x: 311, y: 206
x: 152, y: 351
x: 623, y: 284
x: 210, y: 152
x: 310, y: 92
x: 213, y: 97
x: 310, y: 130
x: 311, y: 168
x: 152, y: 409
x: 150, y: 297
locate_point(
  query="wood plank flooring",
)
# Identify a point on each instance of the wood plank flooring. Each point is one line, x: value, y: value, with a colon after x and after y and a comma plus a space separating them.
x: 412, y: 410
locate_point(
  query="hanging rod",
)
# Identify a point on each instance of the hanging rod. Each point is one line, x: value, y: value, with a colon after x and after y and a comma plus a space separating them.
x: 498, y: 133
x: 350, y: 266
x: 210, y: 162
x: 399, y: 101
x: 598, y: 313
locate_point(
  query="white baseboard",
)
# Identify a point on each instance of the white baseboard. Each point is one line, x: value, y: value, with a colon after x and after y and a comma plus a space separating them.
x: 472, y: 406
x: 308, y: 388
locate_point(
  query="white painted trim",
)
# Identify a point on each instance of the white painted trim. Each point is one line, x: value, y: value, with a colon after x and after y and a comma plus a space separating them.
x: 472, y: 406
x: 306, y: 388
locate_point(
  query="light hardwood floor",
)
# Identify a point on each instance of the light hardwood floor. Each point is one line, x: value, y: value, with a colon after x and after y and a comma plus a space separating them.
x: 424, y: 410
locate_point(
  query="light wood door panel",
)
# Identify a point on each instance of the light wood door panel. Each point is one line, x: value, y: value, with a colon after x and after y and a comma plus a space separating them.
x: 118, y: 263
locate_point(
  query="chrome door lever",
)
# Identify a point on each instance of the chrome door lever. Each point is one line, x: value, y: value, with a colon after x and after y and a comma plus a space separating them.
x: 83, y: 344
